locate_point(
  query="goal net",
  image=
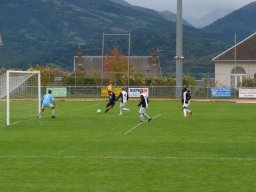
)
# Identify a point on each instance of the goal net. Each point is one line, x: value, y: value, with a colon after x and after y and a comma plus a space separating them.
x: 19, y: 96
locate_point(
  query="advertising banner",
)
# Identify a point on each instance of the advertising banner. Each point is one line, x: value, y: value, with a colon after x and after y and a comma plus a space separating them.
x: 247, y: 93
x: 135, y: 92
x: 58, y: 91
x: 221, y: 92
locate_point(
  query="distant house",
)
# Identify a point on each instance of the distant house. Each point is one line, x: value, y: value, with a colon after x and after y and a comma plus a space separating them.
x: 92, y: 66
x: 236, y: 63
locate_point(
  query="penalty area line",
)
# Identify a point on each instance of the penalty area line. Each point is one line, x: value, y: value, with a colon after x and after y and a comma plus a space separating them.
x: 137, y: 125
x: 134, y: 127
x: 71, y: 110
x: 61, y: 113
x: 168, y: 158
x: 78, y: 109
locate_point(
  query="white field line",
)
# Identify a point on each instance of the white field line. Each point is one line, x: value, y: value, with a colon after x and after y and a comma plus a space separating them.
x: 69, y: 111
x: 177, y: 158
x: 78, y: 109
x: 134, y: 127
x: 137, y: 125
x: 130, y: 158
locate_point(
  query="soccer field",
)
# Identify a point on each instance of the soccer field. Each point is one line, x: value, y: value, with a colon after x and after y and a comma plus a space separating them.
x: 213, y: 150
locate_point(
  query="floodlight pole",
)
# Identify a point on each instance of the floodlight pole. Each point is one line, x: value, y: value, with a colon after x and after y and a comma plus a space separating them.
x: 74, y: 70
x: 102, y: 58
x: 179, y: 41
x: 129, y: 54
x: 1, y: 41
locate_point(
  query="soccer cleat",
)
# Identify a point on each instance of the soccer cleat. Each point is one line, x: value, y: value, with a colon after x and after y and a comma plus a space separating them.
x: 53, y: 116
x: 141, y: 121
x: 184, y: 117
x: 149, y: 119
x: 190, y: 113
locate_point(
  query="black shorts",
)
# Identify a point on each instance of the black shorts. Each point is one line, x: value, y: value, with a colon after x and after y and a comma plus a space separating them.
x: 110, y: 104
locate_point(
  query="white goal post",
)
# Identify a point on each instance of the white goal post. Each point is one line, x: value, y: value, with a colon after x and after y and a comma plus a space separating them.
x: 20, y: 96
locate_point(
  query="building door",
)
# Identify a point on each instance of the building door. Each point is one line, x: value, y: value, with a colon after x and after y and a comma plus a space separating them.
x: 237, y: 80
x: 237, y: 76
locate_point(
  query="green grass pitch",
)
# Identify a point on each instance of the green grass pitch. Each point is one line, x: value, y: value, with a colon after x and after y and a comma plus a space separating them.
x: 213, y: 150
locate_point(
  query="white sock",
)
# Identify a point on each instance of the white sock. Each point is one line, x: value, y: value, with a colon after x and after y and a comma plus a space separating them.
x: 147, y: 115
x: 141, y: 117
x: 185, y: 112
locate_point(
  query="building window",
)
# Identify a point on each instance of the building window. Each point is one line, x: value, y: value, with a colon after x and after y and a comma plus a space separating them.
x: 238, y: 70
x: 238, y: 74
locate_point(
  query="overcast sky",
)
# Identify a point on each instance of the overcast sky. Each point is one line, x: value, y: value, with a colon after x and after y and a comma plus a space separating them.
x: 191, y: 8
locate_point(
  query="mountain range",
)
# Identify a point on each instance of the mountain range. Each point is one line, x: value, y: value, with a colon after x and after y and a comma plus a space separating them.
x: 210, y: 17
x: 49, y: 32
x: 242, y: 22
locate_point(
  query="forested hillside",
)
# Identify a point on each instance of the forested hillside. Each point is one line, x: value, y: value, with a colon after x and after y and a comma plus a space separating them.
x: 49, y: 31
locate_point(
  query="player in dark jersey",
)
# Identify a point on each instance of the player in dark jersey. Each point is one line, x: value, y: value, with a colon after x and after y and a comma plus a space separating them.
x: 186, y: 102
x: 143, y: 106
x: 112, y: 100
x: 181, y: 94
x: 124, y: 98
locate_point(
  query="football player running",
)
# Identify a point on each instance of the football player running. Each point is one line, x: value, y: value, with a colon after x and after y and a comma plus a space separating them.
x: 112, y: 100
x: 124, y: 98
x: 143, y: 106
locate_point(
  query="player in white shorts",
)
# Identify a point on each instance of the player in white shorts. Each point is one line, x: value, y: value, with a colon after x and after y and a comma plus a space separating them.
x: 143, y: 106
x: 186, y: 102
x: 124, y: 98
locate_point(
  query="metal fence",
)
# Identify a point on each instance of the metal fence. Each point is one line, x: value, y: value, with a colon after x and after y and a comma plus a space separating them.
x: 154, y: 91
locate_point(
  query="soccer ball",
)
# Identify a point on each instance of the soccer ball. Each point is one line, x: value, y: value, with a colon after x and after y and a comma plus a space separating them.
x: 98, y: 111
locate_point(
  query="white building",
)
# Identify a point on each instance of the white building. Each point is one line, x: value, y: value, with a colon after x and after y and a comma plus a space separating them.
x: 236, y: 63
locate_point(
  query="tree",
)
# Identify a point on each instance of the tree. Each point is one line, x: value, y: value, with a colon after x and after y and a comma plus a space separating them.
x: 48, y: 73
x: 2, y: 71
x: 116, y: 67
x: 249, y: 82
x: 188, y: 81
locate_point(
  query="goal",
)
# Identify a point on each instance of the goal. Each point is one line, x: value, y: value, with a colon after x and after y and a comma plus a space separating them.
x: 20, y: 95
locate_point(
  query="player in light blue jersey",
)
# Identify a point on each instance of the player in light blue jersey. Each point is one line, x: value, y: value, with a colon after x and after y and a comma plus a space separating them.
x: 48, y: 101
